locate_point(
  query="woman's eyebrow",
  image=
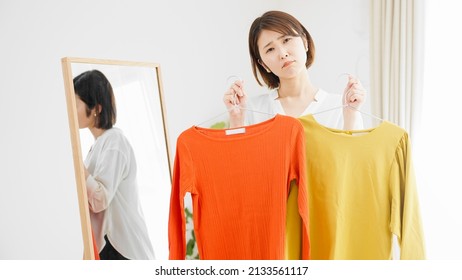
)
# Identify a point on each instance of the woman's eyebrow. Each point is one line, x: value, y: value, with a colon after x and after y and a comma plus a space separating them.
x: 282, y: 36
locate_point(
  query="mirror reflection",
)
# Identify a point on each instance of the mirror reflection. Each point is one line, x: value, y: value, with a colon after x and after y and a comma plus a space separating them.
x: 126, y: 168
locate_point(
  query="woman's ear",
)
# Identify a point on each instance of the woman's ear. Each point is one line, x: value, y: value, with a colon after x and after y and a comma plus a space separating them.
x: 96, y: 110
x: 264, y: 66
x: 99, y: 109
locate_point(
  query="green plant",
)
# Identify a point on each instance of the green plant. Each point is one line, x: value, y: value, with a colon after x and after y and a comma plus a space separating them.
x: 219, y: 125
x: 191, y: 246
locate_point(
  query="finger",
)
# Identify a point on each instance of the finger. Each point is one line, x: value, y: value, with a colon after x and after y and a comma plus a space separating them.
x: 348, y: 95
x: 351, y: 94
x: 352, y: 79
x: 239, y: 83
x: 230, y: 99
x: 356, y: 98
x: 233, y: 99
x: 349, y: 85
x: 355, y: 89
x: 228, y: 94
x: 237, y: 90
x: 353, y: 82
x: 358, y: 86
x: 242, y: 99
x: 240, y: 86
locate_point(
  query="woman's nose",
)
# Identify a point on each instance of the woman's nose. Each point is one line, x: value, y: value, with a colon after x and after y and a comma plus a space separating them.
x: 284, y: 54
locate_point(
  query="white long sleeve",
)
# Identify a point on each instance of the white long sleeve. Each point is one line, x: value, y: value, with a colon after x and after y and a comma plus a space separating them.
x: 115, y: 208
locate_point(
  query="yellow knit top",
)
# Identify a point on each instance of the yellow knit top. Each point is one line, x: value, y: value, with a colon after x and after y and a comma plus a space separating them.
x: 361, y: 191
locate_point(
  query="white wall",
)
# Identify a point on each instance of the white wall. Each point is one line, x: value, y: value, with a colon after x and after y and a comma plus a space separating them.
x: 438, y: 151
x: 197, y: 50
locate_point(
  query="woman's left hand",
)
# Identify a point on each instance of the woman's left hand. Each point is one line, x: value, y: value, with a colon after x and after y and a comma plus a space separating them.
x: 353, y: 96
x: 354, y: 93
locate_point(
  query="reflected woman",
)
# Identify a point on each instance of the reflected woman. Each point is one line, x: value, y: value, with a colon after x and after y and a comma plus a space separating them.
x: 110, y: 170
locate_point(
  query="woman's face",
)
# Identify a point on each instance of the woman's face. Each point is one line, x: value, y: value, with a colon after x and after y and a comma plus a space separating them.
x: 284, y: 55
x: 84, y: 120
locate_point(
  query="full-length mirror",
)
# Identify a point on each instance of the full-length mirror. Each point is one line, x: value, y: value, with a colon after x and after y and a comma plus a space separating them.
x: 140, y: 117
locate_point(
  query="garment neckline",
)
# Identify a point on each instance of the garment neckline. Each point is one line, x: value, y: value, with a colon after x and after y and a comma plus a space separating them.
x: 343, y: 133
x: 250, y: 130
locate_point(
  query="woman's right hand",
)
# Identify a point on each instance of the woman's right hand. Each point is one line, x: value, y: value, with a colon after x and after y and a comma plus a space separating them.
x: 235, y: 99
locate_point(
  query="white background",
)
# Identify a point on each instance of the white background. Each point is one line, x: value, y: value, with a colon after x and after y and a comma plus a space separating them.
x: 198, y: 45
x: 438, y: 149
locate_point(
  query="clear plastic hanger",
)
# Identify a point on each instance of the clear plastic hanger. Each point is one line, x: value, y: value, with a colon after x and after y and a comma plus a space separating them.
x: 345, y: 105
x: 229, y: 81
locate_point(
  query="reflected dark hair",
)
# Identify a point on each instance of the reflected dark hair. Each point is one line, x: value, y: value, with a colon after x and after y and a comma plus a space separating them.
x: 285, y: 24
x: 93, y: 88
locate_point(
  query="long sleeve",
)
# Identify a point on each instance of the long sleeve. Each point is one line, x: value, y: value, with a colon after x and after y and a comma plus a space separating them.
x: 299, y: 155
x: 182, y: 172
x: 105, y: 179
x: 293, y: 225
x: 405, y: 220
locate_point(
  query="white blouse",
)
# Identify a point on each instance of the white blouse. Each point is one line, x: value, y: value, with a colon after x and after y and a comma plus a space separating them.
x: 326, y: 109
x: 115, y: 208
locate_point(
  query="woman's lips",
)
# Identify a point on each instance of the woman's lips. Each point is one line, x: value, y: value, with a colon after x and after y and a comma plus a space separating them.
x: 288, y: 63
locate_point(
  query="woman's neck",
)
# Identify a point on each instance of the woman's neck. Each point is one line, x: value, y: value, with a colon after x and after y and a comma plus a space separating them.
x: 97, y: 132
x: 300, y: 87
x: 295, y: 95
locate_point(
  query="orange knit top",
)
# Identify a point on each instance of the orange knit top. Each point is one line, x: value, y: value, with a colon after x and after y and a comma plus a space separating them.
x: 239, y: 181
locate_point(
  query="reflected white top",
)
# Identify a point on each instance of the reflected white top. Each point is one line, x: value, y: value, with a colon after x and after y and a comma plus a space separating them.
x: 115, y: 208
x: 269, y: 103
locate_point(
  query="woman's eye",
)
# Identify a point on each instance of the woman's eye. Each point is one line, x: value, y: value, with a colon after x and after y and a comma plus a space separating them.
x: 287, y: 39
x: 269, y: 50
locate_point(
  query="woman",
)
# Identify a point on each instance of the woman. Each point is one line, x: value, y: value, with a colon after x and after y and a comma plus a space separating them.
x: 115, y: 209
x: 281, y: 51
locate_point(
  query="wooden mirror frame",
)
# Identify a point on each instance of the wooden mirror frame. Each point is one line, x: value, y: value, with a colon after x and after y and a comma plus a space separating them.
x: 67, y: 62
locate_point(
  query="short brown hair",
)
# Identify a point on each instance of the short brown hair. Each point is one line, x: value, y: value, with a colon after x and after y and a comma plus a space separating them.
x: 283, y: 23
